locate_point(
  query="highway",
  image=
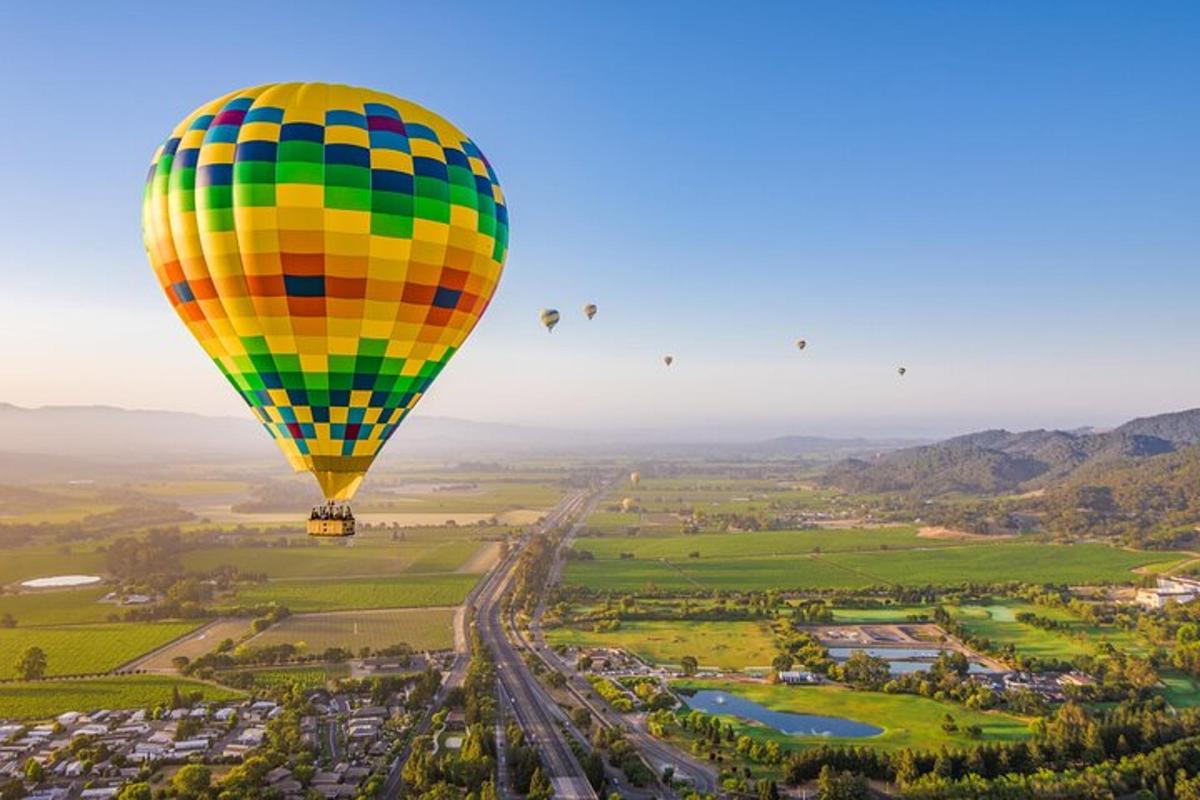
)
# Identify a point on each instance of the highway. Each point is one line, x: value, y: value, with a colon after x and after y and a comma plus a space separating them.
x: 656, y: 753
x: 521, y: 693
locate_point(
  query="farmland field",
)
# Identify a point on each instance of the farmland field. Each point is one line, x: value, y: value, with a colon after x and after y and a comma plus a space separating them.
x: 197, y: 644
x: 87, y: 648
x: 1182, y: 691
x: 362, y: 557
x: 410, y: 591
x: 983, y: 563
x: 59, y: 607
x: 422, y: 629
x: 43, y: 699
x: 719, y: 546
x: 306, y: 677
x: 907, y: 720
x: 40, y: 561
x: 724, y: 645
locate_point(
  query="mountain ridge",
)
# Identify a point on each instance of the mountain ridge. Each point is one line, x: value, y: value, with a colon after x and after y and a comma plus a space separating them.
x: 998, y: 461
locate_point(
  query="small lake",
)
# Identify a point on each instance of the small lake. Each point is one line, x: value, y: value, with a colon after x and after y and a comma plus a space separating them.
x: 713, y: 702
x: 59, y: 581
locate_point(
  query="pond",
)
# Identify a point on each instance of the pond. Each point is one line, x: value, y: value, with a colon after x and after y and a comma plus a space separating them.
x: 715, y: 702
x: 59, y: 581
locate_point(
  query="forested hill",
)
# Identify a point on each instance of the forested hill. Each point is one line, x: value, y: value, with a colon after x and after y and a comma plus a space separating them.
x: 1001, y: 462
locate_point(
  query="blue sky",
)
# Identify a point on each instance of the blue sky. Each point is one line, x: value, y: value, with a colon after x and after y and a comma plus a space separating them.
x: 1003, y: 197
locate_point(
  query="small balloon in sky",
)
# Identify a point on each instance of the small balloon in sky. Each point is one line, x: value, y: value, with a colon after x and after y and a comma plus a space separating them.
x: 549, y: 318
x: 590, y: 310
x: 668, y: 360
x: 801, y: 344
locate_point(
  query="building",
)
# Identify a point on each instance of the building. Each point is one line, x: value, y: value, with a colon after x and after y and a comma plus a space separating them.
x: 1170, y: 589
x: 798, y: 677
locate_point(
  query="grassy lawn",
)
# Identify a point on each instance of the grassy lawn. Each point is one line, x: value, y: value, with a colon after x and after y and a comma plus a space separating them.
x: 422, y: 629
x: 59, y: 607
x: 998, y: 623
x: 45, y: 699
x: 409, y: 591
x: 907, y: 720
x: 72, y: 650
x: 724, y: 645
x: 873, y: 616
x: 1182, y: 691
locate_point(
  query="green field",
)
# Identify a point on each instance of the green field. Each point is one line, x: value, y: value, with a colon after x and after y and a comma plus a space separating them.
x: 907, y: 720
x: 42, y: 562
x: 357, y: 557
x: 409, y: 591
x: 422, y: 629
x: 724, y: 645
x: 944, y: 565
x: 306, y: 677
x: 875, y: 616
x: 59, y: 607
x: 488, y: 496
x: 74, y: 650
x: 721, y: 546
x: 999, y: 624
x: 45, y: 699
x: 1182, y: 691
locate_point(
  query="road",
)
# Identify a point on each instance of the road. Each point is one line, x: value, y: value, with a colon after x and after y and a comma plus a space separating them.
x: 656, y: 753
x: 520, y: 692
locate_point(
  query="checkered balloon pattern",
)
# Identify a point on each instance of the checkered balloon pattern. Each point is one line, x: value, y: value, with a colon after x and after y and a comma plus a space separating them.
x: 331, y: 248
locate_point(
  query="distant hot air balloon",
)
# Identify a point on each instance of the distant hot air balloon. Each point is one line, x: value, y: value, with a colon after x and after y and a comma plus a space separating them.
x: 902, y: 370
x: 627, y: 504
x: 801, y: 344
x: 668, y: 360
x: 549, y: 317
x: 635, y: 478
x: 590, y: 310
x: 331, y: 248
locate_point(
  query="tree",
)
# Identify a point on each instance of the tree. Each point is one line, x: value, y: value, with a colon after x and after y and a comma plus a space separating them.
x: 192, y: 781
x: 539, y: 786
x: 836, y: 785
x: 136, y: 791
x: 31, y: 665
x: 689, y: 665
x: 34, y: 772
x: 581, y: 718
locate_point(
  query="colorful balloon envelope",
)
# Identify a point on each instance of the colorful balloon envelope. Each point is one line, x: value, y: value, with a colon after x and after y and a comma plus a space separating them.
x: 331, y: 248
x: 549, y: 318
x: 589, y: 310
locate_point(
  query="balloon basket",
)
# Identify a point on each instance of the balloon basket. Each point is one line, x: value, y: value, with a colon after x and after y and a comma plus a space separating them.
x: 331, y: 520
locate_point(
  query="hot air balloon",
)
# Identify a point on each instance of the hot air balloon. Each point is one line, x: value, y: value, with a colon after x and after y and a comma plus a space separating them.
x: 668, y: 360
x: 801, y: 344
x: 331, y: 248
x: 901, y: 371
x: 590, y: 310
x: 549, y: 318
x: 635, y: 478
